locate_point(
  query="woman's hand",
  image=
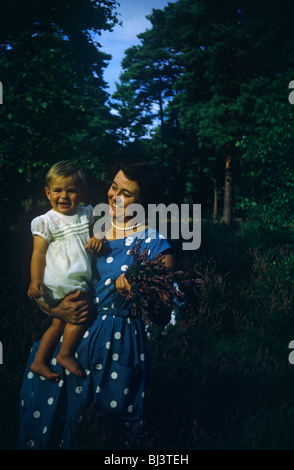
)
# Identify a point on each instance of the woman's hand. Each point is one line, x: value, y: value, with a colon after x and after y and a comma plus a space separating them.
x: 122, y: 285
x: 74, y: 309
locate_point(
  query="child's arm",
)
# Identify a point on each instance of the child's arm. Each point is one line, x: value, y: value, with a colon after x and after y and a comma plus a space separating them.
x: 38, y: 262
x: 94, y: 244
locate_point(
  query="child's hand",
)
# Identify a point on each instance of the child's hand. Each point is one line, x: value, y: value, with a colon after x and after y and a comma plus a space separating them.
x: 94, y: 244
x: 36, y: 289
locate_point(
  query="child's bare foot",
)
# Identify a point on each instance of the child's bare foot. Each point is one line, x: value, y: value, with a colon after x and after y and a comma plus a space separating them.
x: 41, y: 368
x: 70, y: 363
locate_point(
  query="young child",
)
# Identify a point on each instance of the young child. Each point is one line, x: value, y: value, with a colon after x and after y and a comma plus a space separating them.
x: 61, y: 261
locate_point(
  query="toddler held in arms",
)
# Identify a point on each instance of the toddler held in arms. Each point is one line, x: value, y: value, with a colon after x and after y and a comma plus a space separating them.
x: 61, y: 262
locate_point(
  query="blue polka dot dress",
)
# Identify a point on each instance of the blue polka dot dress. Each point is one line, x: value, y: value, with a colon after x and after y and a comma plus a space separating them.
x: 113, y: 353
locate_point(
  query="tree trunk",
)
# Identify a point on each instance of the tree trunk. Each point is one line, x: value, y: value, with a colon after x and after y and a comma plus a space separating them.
x: 227, y: 212
x: 214, y: 214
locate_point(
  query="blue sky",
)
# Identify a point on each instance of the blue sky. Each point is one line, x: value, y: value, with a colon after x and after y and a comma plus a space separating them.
x: 133, y: 16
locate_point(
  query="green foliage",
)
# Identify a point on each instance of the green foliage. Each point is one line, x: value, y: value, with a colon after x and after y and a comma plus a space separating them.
x: 222, y: 372
x: 54, y: 99
x: 265, y: 161
x: 220, y: 377
x: 219, y: 75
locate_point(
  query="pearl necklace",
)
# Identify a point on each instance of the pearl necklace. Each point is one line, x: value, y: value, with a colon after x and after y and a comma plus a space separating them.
x: 126, y: 228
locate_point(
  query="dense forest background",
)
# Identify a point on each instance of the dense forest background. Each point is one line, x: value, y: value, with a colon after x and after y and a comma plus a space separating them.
x: 206, y: 97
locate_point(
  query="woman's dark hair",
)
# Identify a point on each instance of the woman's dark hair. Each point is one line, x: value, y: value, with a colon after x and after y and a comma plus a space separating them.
x: 147, y: 176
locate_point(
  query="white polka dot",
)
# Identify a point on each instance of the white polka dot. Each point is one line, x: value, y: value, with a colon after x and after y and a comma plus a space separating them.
x: 124, y: 267
x: 60, y: 383
x: 109, y: 259
x: 115, y: 357
x: 98, y: 389
x: 148, y: 240
x: 104, y: 316
x: 36, y: 414
x: 44, y: 429
x: 42, y: 378
x: 108, y: 345
x: 129, y: 321
x: 96, y: 301
x: 130, y: 408
x: 142, y: 357
x: 117, y: 335
x: 79, y: 389
x: 129, y: 241
x: 61, y: 338
x: 161, y: 236
x: 128, y: 252
x: 76, y: 355
x: 98, y: 366
x: 22, y: 402
x: 30, y: 375
x: 50, y: 401
x: 149, y: 251
x: 113, y: 404
x: 143, y: 394
x: 108, y: 282
x: 67, y: 371
x: 87, y: 371
x: 30, y: 443
x: 80, y: 419
x: 54, y: 362
x: 114, y: 375
x: 86, y: 334
x: 126, y: 391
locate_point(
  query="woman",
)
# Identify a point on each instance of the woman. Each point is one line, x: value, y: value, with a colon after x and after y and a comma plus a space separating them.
x: 113, y: 351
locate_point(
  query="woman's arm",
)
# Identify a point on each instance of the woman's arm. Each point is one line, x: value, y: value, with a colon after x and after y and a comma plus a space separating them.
x: 72, y: 309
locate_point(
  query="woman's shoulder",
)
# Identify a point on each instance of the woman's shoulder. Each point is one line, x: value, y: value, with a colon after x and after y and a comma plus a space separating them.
x: 150, y: 233
x: 154, y: 240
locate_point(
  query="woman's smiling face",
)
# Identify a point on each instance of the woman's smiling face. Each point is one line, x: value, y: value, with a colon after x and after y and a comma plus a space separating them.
x: 121, y: 194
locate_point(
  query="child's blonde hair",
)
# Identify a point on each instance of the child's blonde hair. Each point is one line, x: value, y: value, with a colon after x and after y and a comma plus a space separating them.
x: 66, y: 169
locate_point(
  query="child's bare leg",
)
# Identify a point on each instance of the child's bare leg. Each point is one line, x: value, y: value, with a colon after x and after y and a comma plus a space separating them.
x: 45, y: 350
x: 71, y: 337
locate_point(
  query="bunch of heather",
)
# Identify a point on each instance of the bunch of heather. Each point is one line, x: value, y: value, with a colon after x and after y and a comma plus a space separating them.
x: 153, y: 290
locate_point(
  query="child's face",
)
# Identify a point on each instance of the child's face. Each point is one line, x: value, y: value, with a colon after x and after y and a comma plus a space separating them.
x: 64, y: 194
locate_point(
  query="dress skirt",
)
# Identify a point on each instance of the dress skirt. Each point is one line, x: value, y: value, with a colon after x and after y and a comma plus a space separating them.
x: 113, y: 353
